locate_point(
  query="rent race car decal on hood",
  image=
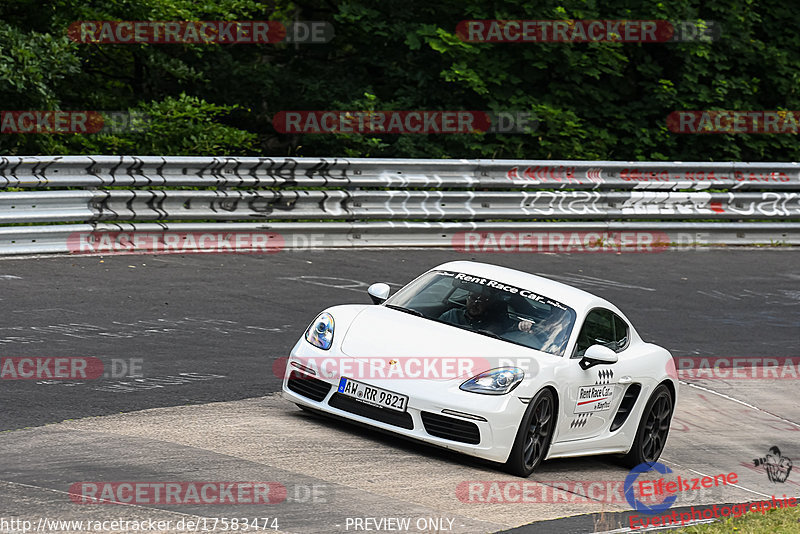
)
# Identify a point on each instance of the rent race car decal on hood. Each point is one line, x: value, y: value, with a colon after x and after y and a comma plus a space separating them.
x: 513, y: 290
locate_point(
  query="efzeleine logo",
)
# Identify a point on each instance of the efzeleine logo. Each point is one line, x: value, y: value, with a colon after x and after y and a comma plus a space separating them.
x: 629, y: 488
x: 659, y: 487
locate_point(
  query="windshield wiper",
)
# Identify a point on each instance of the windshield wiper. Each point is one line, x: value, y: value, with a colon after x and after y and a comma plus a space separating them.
x: 406, y: 310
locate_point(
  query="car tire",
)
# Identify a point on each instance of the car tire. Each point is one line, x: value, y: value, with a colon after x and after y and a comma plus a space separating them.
x: 534, y: 435
x: 651, y: 436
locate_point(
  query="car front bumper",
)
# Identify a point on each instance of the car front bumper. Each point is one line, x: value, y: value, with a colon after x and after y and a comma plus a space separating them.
x: 438, y: 412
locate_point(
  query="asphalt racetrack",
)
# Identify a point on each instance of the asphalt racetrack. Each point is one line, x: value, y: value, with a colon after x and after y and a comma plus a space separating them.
x: 203, y: 333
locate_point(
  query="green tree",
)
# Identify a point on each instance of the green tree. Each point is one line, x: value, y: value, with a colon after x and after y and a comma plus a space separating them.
x: 593, y: 100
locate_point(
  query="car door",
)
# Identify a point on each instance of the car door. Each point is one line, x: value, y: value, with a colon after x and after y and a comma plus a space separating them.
x: 592, y: 396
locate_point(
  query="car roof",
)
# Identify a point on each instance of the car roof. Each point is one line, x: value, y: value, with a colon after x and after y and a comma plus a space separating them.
x: 577, y: 299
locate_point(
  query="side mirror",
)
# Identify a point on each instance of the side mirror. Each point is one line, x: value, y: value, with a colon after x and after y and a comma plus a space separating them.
x: 378, y: 292
x: 598, y: 355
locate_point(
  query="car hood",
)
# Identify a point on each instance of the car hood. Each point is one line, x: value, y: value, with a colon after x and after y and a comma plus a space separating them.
x: 379, y: 332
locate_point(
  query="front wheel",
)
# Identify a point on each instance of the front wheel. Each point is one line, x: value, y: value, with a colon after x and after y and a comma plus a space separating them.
x: 534, y: 434
x: 651, y: 436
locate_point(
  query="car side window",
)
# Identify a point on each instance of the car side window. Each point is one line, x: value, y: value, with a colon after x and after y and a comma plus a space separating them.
x: 620, y: 333
x: 602, y: 327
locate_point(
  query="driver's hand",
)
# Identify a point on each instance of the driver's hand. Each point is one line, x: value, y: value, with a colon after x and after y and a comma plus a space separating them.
x: 525, y: 326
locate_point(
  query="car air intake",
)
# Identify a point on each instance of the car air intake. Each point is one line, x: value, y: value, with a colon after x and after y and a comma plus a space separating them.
x: 625, y: 407
x: 451, y: 428
x: 308, y: 386
x: 384, y: 415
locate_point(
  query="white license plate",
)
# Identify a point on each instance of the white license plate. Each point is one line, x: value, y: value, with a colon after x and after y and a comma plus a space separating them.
x: 372, y: 395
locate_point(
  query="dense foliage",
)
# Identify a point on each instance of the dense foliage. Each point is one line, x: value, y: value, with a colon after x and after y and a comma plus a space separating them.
x: 593, y: 100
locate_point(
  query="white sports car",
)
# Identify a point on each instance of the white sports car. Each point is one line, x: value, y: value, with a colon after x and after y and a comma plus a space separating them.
x: 491, y: 362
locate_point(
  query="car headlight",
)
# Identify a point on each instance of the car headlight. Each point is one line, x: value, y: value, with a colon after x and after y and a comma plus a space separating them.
x: 495, y: 382
x: 320, y: 333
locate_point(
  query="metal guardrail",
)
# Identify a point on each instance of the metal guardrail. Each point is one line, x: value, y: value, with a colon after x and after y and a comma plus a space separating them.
x: 127, y: 205
x: 388, y: 202
x: 31, y: 172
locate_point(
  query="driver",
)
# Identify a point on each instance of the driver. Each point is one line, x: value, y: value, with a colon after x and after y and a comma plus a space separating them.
x: 482, y: 312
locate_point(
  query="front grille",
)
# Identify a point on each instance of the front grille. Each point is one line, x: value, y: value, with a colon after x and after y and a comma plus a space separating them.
x: 451, y: 428
x: 308, y: 386
x: 384, y: 415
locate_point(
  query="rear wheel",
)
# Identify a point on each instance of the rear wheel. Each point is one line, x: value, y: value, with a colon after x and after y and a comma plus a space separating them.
x: 651, y: 436
x: 534, y: 434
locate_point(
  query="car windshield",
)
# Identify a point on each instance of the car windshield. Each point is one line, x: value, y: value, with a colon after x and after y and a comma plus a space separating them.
x: 489, y: 307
